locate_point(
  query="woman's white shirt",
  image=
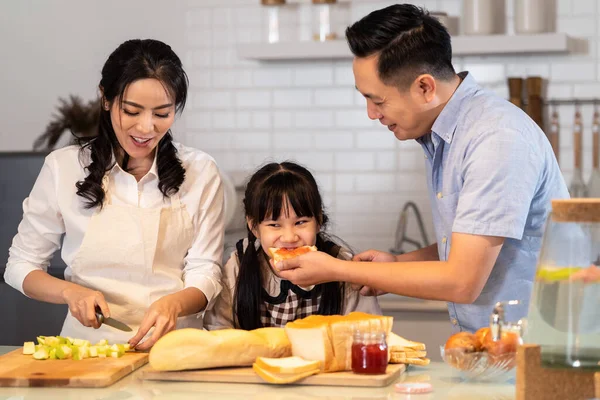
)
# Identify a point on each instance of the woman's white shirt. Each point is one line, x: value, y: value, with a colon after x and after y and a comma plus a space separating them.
x: 54, y: 208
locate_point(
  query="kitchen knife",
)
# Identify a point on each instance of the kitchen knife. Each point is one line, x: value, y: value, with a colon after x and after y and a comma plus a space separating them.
x: 111, y: 321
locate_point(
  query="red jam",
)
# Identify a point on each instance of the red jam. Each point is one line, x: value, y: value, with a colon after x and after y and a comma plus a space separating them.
x: 369, y: 358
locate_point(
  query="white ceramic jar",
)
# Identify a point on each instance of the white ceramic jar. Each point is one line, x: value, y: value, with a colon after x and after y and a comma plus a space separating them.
x: 534, y: 16
x: 483, y: 17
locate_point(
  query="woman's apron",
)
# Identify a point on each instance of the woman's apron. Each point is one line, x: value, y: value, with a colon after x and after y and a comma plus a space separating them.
x: 133, y: 256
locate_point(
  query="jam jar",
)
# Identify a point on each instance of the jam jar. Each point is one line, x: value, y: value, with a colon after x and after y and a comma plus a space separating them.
x: 369, y: 352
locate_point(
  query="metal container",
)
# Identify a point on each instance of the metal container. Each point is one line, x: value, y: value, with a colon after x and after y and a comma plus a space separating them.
x: 483, y: 17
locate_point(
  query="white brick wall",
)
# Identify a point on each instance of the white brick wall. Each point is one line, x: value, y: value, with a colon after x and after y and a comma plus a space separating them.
x: 246, y: 113
x: 287, y: 98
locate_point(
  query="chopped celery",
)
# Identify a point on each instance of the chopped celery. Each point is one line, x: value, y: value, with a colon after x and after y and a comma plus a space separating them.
x: 28, y: 348
x: 62, y: 348
x: 41, y: 354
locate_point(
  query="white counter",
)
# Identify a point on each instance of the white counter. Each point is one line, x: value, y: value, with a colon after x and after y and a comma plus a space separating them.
x: 445, y: 381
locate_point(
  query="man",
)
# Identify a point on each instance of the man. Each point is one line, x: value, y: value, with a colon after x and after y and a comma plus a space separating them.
x: 491, y: 174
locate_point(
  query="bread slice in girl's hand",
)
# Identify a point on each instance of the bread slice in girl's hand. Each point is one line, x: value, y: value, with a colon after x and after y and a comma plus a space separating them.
x: 282, y: 253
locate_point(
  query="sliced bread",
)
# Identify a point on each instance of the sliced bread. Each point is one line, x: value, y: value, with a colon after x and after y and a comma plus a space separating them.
x: 287, y: 365
x: 279, y: 378
x: 399, y: 344
x: 396, y: 358
x: 410, y: 353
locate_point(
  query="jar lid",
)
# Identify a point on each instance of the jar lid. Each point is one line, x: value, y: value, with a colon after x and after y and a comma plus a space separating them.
x: 324, y: 1
x: 374, y: 336
x: 272, y: 2
x: 576, y: 210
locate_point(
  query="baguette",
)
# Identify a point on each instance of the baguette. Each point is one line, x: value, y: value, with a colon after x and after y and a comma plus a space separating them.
x: 189, y: 348
x: 277, y: 341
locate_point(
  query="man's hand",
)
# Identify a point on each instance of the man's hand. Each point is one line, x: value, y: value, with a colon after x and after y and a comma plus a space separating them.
x: 373, y: 256
x: 162, y: 315
x: 309, y: 269
x: 82, y: 304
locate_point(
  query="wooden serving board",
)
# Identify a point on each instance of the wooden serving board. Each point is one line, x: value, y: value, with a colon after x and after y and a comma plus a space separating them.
x: 17, y: 369
x: 247, y: 375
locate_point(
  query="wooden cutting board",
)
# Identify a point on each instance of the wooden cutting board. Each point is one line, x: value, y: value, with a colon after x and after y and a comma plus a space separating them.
x: 17, y: 369
x: 247, y: 375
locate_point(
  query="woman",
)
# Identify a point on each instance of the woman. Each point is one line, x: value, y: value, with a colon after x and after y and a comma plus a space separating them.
x: 142, y: 216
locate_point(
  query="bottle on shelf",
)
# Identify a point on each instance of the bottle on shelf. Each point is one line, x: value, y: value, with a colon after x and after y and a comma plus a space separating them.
x: 534, y: 99
x: 274, y: 19
x: 515, y: 91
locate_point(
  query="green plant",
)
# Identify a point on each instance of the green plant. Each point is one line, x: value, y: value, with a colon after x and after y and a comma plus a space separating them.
x: 73, y: 115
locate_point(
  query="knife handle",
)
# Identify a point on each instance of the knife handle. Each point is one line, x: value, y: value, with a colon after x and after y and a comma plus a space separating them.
x: 99, y: 315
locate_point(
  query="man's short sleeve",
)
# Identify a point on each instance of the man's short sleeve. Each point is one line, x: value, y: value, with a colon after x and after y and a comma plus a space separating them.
x: 500, y: 176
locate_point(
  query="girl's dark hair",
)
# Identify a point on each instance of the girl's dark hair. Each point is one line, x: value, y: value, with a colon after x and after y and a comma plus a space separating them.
x: 131, y: 61
x: 265, y: 197
x: 409, y: 42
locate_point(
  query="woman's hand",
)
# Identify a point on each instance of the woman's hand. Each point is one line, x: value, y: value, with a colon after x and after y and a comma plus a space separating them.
x: 82, y: 304
x: 162, y: 315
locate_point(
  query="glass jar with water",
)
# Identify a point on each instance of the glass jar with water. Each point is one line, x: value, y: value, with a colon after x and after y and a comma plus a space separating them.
x: 564, y: 313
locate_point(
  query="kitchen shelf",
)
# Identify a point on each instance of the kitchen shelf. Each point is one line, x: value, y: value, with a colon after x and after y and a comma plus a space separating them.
x: 462, y: 46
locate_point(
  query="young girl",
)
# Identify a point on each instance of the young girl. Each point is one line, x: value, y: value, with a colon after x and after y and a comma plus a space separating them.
x: 283, y: 208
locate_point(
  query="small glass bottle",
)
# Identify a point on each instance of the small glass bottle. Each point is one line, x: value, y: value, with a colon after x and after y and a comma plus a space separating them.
x: 323, y: 20
x: 369, y: 352
x: 273, y: 11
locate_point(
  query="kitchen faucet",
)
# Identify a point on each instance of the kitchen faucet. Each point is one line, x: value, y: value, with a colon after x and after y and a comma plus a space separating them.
x: 401, y: 238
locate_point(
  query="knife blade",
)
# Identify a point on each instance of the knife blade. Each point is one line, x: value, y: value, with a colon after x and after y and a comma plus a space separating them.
x: 111, y: 322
